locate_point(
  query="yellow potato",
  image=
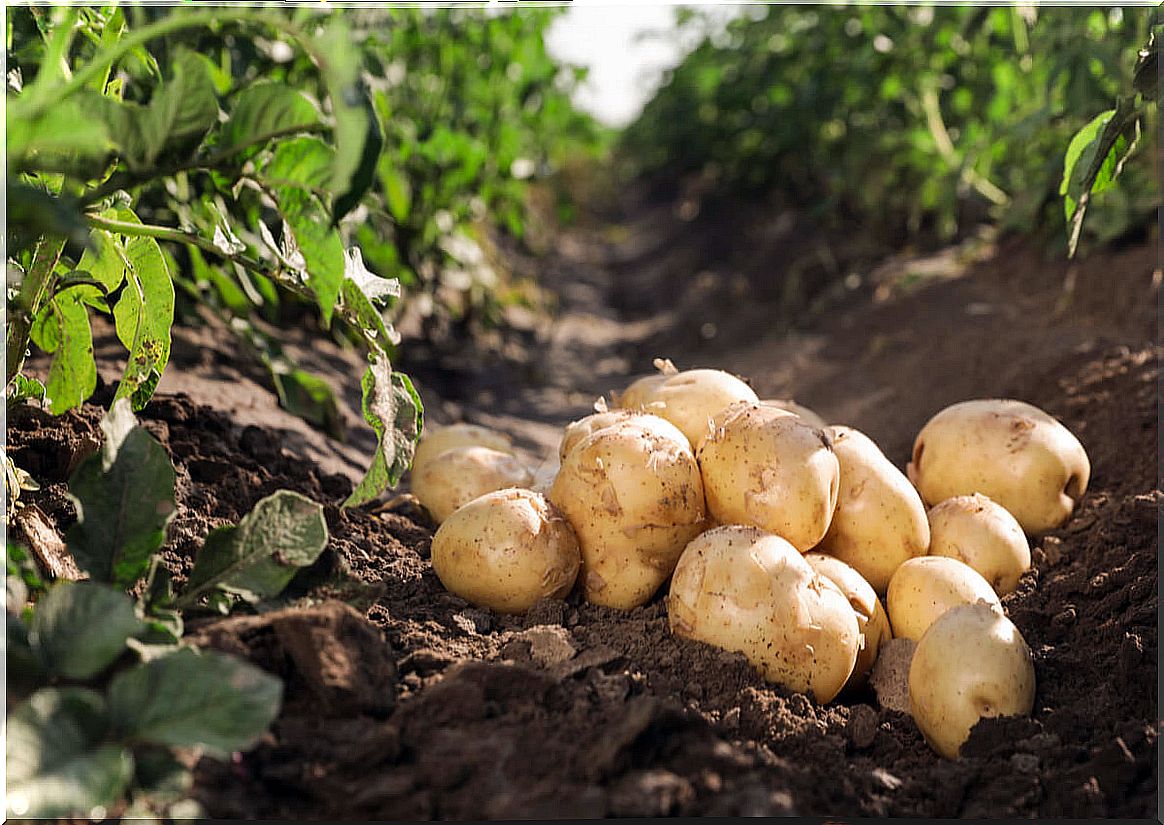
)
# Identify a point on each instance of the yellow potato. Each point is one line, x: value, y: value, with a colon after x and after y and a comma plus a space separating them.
x: 583, y: 427
x: 971, y: 664
x: 924, y: 588
x: 436, y: 440
x: 634, y: 499
x: 505, y: 550
x: 872, y: 621
x: 796, y: 409
x: 766, y: 467
x: 457, y: 476
x: 639, y: 392
x: 879, y: 521
x: 982, y: 534
x: 1014, y: 453
x: 690, y: 399
x: 745, y: 590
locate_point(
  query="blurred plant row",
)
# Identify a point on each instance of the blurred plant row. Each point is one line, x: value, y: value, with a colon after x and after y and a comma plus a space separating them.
x: 910, y: 121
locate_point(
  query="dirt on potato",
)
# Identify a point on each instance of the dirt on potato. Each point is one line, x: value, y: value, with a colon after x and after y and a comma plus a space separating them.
x: 414, y: 704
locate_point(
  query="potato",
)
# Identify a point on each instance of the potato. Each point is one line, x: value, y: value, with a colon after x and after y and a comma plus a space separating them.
x: 457, y: 476
x: 635, y: 499
x: 436, y: 440
x: 766, y: 467
x: 583, y: 427
x: 971, y: 664
x: 638, y: 393
x: 924, y: 588
x: 691, y: 398
x: 880, y: 520
x: 1014, y: 453
x: 796, y: 409
x: 872, y: 622
x: 979, y: 532
x: 505, y: 550
x: 745, y: 590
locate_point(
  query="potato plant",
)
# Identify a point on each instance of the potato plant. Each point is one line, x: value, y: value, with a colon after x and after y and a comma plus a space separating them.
x: 102, y: 688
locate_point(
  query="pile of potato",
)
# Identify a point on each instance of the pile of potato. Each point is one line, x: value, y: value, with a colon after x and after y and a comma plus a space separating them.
x: 779, y: 534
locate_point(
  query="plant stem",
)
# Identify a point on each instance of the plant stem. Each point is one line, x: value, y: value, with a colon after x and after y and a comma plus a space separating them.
x: 36, y: 284
x: 276, y: 274
x: 937, y: 126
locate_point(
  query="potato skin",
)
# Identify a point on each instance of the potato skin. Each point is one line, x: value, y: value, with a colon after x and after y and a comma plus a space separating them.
x: 982, y: 534
x: 879, y: 521
x: 505, y: 550
x: 634, y: 499
x: 745, y: 590
x: 690, y: 399
x: 436, y: 440
x: 636, y: 396
x: 457, y: 476
x: 578, y: 430
x: 971, y: 664
x: 924, y: 588
x: 766, y: 467
x: 1013, y: 452
x: 796, y: 409
x: 872, y: 621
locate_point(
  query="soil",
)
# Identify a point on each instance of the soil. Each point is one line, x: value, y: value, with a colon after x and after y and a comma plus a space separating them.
x: 410, y: 703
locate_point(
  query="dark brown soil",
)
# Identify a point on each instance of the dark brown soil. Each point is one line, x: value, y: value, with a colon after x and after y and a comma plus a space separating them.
x: 431, y: 708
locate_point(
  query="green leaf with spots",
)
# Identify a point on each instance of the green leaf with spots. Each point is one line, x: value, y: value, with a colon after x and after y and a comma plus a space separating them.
x: 257, y: 558
x: 393, y: 408
x: 62, y: 329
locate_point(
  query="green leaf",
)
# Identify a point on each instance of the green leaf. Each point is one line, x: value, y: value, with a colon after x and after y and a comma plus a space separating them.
x: 63, y: 330
x: 124, y: 496
x: 25, y: 670
x: 195, y: 698
x: 180, y: 114
x: 33, y: 212
x: 364, y: 174
x: 144, y: 316
x: 105, y: 259
x: 307, y: 396
x: 80, y: 628
x: 255, y: 560
x: 158, y: 773
x: 349, y: 102
x: 397, y: 190
x: 1094, y: 159
x: 24, y: 388
x: 64, y: 137
x: 229, y: 292
x: 303, y: 162
x: 164, y: 622
x: 393, y: 408
x: 321, y: 246
x: 263, y: 111
x: 360, y: 293
x: 56, y: 763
